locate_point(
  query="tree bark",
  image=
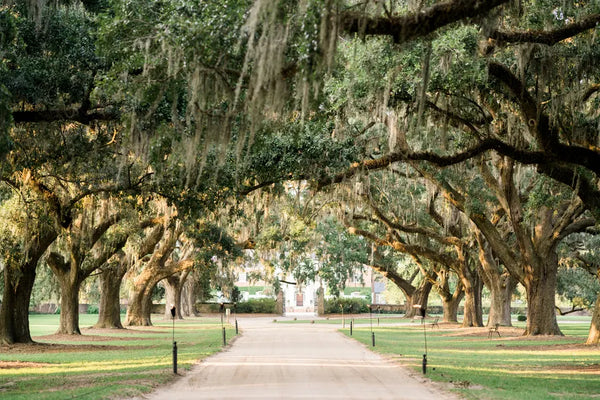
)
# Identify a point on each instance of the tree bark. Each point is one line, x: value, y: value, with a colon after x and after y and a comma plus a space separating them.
x: 69, y: 282
x: 500, y: 296
x: 136, y: 314
x: 189, y: 296
x: 473, y: 311
x: 14, y: 312
x: 69, y: 307
x: 109, y: 315
x: 450, y: 300
x: 450, y: 307
x: 594, y: 334
x: 472, y: 285
x: 18, y: 284
x: 500, y: 284
x: 173, y: 291
x: 541, y: 292
x: 420, y: 297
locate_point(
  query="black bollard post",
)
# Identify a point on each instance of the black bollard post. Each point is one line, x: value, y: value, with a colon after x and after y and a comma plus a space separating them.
x: 235, y: 316
x: 351, y: 323
x: 373, y: 338
x: 424, y: 364
x: 224, y: 337
x: 174, y: 342
x: 175, y: 358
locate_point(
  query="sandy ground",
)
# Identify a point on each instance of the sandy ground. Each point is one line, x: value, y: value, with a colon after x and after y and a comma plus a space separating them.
x: 297, y: 361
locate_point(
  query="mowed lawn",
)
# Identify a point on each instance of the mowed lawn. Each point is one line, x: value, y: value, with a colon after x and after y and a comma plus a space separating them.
x: 103, y: 363
x: 476, y: 366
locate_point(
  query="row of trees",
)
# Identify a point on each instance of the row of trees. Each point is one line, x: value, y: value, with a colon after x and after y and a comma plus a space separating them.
x: 478, y: 140
x: 461, y: 133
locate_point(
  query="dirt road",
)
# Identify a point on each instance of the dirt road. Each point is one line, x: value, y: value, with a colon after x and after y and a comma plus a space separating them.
x: 297, y: 361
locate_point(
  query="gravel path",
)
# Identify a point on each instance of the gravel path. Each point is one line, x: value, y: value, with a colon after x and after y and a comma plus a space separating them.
x: 297, y: 361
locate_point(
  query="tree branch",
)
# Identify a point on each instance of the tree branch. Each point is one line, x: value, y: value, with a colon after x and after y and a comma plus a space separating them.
x: 547, y: 37
x: 418, y: 24
x: 523, y: 156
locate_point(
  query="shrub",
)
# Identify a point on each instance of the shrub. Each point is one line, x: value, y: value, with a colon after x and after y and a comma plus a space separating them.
x: 260, y: 306
x: 521, y: 318
x: 93, y: 309
x: 351, y: 306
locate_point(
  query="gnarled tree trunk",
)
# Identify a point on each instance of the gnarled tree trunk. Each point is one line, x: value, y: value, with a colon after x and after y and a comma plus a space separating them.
x: 450, y: 299
x: 413, y: 294
x: 189, y: 296
x: 173, y: 290
x: 109, y: 315
x: 14, y: 312
x: 500, y: 284
x: 594, y: 334
x: 138, y: 310
x: 420, y: 297
x: 18, y: 284
x: 70, y: 283
x: 541, y: 292
x: 473, y: 311
x: 500, y: 295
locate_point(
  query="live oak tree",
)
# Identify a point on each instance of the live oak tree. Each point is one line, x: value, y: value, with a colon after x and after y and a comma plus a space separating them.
x: 441, y: 239
x: 140, y: 245
x: 158, y: 266
x: 26, y: 235
x: 533, y: 262
x: 85, y: 251
x: 48, y: 73
x: 197, y: 83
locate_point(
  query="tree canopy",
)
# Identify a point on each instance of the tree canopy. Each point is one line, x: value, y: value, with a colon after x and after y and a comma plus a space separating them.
x: 462, y: 134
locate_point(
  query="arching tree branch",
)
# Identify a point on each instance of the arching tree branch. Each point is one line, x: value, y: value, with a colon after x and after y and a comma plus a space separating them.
x: 417, y: 24
x: 549, y: 37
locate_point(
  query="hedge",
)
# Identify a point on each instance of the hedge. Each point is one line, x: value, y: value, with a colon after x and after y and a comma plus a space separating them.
x: 351, y: 306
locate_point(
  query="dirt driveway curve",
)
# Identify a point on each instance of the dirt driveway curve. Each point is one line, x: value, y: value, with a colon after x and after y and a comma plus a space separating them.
x: 297, y: 361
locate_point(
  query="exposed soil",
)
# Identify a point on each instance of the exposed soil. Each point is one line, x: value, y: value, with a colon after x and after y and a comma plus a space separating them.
x: 505, y: 332
x: 21, y: 364
x: 21, y: 348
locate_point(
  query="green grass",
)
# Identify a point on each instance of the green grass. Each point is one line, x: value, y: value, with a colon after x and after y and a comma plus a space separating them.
x: 141, y: 360
x: 500, y: 368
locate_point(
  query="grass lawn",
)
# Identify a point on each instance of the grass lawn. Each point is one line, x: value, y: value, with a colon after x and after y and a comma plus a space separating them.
x: 509, y: 367
x: 103, y: 363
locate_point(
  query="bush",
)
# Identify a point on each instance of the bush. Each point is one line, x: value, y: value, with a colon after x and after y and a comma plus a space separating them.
x: 350, y: 306
x: 260, y: 306
x: 93, y: 309
x: 521, y: 318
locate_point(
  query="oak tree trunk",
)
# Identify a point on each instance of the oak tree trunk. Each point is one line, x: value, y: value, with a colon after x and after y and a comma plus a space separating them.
x: 135, y: 311
x: 450, y: 305
x: 18, y: 284
x: 14, y: 311
x: 67, y: 274
x: 69, y: 306
x: 109, y: 315
x: 450, y: 299
x: 189, y: 296
x: 594, y: 334
x: 500, y: 295
x: 541, y: 292
x: 147, y: 306
x: 173, y: 289
x: 419, y: 297
x: 473, y: 311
